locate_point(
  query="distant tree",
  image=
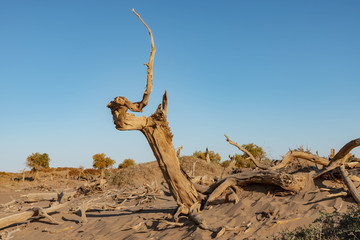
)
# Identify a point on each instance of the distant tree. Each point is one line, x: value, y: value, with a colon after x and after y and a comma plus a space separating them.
x: 243, y: 161
x: 38, y: 161
x: 214, y: 157
x: 101, y: 161
x: 127, y: 163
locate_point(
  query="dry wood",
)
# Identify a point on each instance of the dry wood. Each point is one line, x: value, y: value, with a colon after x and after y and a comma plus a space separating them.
x: 24, y: 216
x: 228, y: 168
x: 346, y: 149
x: 291, y: 155
x: 256, y: 162
x: 332, y: 153
x: 193, y: 169
x: 207, y: 155
x: 334, y: 163
x: 349, y: 183
x: 290, y: 182
x: 178, y: 150
x: 340, y: 194
x: 37, y: 197
x: 352, y: 164
x: 9, y: 234
x: 103, y: 206
x: 355, y: 178
x: 158, y: 134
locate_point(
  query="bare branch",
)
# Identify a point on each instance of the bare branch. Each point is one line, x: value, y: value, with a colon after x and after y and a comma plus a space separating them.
x: 291, y: 155
x: 120, y: 105
x: 347, y: 148
x: 144, y: 102
x: 259, y: 165
x: 332, y: 165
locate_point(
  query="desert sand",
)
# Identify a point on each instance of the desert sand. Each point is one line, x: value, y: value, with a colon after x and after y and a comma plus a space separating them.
x: 144, y: 207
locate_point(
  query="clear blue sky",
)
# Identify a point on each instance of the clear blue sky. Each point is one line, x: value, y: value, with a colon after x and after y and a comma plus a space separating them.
x: 279, y: 74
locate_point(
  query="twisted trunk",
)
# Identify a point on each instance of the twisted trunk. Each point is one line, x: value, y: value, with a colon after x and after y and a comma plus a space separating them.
x: 159, y: 138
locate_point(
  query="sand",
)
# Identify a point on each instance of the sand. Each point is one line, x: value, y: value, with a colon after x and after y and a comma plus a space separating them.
x: 262, y: 212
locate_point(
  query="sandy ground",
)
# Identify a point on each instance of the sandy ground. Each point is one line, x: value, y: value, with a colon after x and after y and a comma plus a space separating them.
x: 262, y: 212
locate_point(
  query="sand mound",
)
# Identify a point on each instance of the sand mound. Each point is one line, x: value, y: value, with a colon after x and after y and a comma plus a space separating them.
x: 262, y: 212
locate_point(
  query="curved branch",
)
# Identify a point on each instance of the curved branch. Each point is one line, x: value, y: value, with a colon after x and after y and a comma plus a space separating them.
x: 145, y: 100
x: 258, y: 164
x: 346, y: 149
x: 291, y: 155
x: 289, y: 182
x: 120, y: 105
x: 340, y: 158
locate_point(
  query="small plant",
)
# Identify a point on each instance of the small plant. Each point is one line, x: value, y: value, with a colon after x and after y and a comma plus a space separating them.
x: 38, y: 161
x: 214, y: 157
x: 101, y: 161
x: 127, y: 163
x: 332, y: 226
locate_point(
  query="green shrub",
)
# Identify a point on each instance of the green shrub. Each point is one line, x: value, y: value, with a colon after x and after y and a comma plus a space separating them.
x: 214, y: 157
x: 38, y: 161
x: 332, y: 226
x: 127, y: 163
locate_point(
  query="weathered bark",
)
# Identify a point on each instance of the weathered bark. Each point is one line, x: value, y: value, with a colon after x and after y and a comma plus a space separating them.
x: 290, y: 182
x: 207, y: 155
x: 157, y: 132
x: 34, y: 212
x: 349, y: 184
x: 291, y: 155
x: 346, y: 149
x: 160, y: 140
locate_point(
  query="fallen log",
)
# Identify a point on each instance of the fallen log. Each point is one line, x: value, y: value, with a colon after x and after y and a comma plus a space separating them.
x: 290, y: 182
x: 30, y: 213
x: 37, y: 197
x: 349, y: 184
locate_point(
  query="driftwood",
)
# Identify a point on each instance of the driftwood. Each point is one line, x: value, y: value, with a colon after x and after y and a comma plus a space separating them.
x: 290, y: 182
x: 37, y: 197
x: 349, y: 184
x: 30, y: 213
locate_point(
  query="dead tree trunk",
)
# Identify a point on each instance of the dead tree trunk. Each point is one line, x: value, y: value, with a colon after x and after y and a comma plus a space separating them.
x: 157, y: 132
x: 207, y: 156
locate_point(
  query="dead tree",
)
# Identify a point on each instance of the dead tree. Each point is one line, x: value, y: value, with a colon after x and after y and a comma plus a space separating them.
x: 188, y: 195
x: 157, y: 132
